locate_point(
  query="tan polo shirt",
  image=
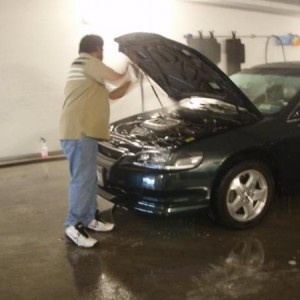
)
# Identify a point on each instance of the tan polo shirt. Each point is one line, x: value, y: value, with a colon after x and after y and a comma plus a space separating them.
x: 86, y: 107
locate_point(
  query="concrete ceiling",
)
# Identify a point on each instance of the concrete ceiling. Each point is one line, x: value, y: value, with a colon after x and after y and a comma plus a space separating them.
x: 282, y: 7
x: 293, y: 2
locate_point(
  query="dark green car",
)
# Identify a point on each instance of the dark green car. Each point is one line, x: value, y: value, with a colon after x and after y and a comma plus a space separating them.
x: 227, y: 144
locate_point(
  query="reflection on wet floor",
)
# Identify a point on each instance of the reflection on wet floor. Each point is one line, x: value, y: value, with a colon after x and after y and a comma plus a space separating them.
x: 239, y: 274
x: 91, y: 280
x: 183, y: 258
x: 175, y: 258
x: 242, y: 273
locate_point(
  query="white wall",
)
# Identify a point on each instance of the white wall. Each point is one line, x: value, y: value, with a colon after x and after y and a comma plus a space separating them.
x: 39, y: 38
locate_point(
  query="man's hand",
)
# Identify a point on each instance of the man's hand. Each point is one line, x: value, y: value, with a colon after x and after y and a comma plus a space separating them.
x: 134, y: 72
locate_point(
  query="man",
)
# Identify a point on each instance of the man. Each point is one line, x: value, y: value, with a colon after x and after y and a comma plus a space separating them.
x: 84, y: 120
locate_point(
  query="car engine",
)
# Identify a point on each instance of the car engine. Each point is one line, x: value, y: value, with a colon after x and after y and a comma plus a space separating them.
x: 166, y: 131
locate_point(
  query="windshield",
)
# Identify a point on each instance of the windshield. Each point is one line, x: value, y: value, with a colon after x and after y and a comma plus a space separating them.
x: 268, y: 92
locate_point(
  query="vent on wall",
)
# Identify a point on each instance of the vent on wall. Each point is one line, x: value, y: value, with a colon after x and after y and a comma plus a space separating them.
x: 209, y: 47
x: 235, y: 55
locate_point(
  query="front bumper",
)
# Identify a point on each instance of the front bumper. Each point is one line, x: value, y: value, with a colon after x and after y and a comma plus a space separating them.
x: 152, y: 192
x: 158, y: 203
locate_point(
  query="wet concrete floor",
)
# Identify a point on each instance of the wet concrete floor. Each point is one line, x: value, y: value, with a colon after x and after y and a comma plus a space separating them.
x: 145, y: 257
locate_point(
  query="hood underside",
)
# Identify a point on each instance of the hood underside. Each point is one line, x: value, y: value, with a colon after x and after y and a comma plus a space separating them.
x: 182, y: 72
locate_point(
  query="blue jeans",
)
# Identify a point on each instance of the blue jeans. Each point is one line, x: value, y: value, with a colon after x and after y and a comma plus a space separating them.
x: 82, y: 157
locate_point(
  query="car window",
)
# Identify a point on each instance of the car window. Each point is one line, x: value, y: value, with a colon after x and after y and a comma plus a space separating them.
x: 269, y: 93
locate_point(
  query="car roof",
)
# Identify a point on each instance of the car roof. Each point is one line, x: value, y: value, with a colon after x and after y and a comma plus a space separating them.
x: 291, y: 68
x: 279, y: 65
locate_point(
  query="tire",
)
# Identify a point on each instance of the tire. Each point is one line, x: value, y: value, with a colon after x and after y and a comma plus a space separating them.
x: 244, y: 195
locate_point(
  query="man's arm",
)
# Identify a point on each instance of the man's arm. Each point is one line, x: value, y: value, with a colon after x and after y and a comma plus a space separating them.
x: 120, y: 91
x: 97, y: 70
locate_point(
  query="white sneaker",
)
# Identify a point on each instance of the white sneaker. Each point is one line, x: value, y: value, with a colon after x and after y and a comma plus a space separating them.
x: 79, y: 236
x: 97, y: 225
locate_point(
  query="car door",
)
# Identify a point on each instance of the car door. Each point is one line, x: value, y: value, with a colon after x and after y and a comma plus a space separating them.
x: 291, y: 161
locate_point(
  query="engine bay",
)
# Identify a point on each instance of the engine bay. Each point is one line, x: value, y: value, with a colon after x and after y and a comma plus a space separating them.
x: 159, y: 130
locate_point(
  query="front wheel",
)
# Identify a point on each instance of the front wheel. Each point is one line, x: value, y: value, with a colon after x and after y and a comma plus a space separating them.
x: 243, y: 195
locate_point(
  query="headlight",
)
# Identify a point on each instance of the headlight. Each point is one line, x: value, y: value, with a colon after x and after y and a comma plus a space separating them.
x: 161, y: 159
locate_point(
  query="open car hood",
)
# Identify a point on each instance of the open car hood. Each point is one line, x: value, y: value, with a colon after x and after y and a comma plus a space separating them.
x: 181, y: 71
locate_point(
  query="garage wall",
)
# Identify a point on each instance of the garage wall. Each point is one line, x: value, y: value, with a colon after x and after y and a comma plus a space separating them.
x: 36, y: 46
x: 40, y: 38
